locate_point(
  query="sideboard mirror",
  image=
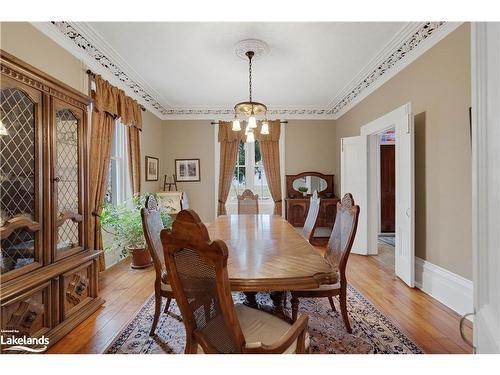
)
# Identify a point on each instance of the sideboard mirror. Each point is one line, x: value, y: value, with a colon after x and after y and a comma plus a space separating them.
x: 312, y: 181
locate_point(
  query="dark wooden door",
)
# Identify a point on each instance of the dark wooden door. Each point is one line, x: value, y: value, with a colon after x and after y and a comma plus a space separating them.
x: 388, y: 188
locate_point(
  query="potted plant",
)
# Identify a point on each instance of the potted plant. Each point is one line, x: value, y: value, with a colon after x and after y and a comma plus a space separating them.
x: 124, y: 223
x: 303, y: 190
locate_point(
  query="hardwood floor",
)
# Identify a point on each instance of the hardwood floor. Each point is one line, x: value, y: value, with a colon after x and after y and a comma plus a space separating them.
x: 433, y: 326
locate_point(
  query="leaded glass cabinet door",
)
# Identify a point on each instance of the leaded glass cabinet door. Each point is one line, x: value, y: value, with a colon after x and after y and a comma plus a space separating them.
x: 21, y: 176
x: 67, y: 180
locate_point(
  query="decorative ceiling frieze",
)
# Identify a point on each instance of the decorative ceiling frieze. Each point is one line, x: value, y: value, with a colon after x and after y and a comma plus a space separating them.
x: 400, y: 53
x: 95, y: 53
x: 388, y: 61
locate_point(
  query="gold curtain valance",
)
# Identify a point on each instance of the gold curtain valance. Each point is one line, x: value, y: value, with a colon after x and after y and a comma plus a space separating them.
x: 226, y: 134
x: 110, y: 99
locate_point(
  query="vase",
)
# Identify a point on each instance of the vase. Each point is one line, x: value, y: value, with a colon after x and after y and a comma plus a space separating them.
x: 140, y: 258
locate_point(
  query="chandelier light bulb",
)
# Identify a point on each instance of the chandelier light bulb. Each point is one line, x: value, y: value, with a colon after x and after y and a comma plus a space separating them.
x: 265, y: 128
x: 236, y: 125
x: 252, y: 122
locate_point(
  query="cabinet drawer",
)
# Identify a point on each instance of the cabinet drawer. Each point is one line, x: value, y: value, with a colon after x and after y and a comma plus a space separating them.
x: 77, y: 288
x: 29, y: 313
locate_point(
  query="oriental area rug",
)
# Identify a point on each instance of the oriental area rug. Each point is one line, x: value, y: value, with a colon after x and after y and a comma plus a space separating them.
x: 372, y: 332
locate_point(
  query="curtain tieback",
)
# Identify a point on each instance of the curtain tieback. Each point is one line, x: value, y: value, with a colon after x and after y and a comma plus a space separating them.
x: 281, y: 200
x: 94, y: 213
x: 221, y: 202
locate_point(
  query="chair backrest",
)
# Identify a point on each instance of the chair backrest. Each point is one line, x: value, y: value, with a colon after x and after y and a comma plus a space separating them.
x: 343, y: 233
x: 312, y: 217
x: 152, y: 226
x: 197, y: 269
x: 248, y: 203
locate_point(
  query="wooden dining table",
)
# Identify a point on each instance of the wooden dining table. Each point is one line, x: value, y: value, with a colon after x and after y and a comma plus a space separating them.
x: 267, y: 254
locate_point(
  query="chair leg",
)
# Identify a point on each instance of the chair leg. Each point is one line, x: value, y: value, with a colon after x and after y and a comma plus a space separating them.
x: 343, y: 309
x: 191, y: 346
x: 167, y: 305
x: 332, y: 304
x: 157, y: 313
x: 295, y: 307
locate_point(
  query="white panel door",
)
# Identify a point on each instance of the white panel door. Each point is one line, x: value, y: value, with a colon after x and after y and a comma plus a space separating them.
x: 354, y: 180
x: 485, y: 186
x: 405, y: 210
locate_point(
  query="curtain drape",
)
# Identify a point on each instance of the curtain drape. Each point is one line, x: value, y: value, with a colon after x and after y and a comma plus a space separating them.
x: 109, y: 103
x: 101, y: 136
x: 270, y: 150
x: 134, y: 156
x: 229, y: 144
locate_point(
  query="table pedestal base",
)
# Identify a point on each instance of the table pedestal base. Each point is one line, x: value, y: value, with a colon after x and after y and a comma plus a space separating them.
x: 276, y: 309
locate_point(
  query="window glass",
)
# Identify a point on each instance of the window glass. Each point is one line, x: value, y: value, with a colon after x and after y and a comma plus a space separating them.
x: 249, y: 173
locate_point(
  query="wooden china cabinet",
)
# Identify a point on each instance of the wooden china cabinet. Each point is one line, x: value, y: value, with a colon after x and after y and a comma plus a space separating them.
x: 48, y: 274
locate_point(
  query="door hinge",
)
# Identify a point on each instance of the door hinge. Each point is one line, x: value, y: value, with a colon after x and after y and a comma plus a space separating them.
x: 342, y: 144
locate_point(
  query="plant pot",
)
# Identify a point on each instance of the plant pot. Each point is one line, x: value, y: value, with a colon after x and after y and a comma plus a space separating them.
x: 304, y: 193
x: 140, y: 258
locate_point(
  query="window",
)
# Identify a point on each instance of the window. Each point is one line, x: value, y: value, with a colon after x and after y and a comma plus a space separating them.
x: 249, y: 173
x: 119, y: 187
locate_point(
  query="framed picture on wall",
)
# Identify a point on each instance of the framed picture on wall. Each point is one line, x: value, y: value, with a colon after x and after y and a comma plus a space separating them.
x: 187, y: 170
x: 152, y: 165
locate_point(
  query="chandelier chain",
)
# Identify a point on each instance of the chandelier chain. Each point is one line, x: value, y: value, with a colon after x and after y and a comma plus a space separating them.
x: 250, y: 76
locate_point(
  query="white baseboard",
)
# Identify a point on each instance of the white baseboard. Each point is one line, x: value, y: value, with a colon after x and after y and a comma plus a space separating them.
x: 450, y: 289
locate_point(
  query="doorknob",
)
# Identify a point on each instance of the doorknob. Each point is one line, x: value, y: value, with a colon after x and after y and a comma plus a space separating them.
x: 56, y: 179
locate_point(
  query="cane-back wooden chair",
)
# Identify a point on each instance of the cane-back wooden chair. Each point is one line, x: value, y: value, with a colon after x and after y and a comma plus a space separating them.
x: 152, y: 226
x: 312, y: 217
x: 248, y: 203
x: 197, y: 269
x: 337, y: 254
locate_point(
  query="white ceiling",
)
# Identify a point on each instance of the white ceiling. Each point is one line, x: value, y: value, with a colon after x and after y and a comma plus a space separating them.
x: 191, y: 71
x: 193, y: 65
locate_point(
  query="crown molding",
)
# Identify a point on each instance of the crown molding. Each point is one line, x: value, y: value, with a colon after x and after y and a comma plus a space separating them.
x: 397, y: 55
x: 85, y: 43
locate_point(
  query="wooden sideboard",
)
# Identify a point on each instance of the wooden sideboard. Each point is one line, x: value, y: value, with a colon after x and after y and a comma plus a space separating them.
x: 296, y: 211
x: 297, y: 205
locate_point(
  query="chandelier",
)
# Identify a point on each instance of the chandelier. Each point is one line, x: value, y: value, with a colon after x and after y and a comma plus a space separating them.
x: 249, y: 110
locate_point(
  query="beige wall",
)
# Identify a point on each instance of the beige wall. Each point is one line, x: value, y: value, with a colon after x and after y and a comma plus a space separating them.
x: 25, y: 42
x: 438, y: 86
x: 309, y: 146
x: 152, y: 144
x: 193, y: 140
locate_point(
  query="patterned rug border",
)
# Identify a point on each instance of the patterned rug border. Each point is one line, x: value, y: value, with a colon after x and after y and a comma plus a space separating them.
x: 397, y: 331
x: 125, y: 332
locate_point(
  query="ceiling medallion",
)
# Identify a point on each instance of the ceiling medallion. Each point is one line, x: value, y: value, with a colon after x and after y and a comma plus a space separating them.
x: 250, y: 109
x: 259, y: 48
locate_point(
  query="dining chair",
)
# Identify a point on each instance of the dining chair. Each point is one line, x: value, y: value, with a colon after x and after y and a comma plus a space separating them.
x: 248, y: 203
x: 197, y: 269
x: 152, y: 226
x: 337, y: 254
x: 312, y: 217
